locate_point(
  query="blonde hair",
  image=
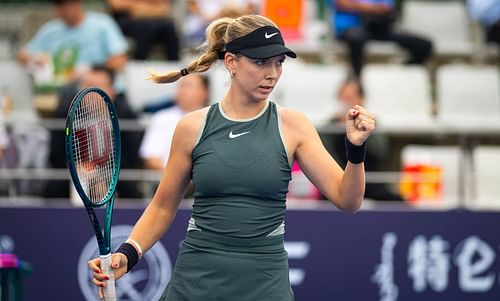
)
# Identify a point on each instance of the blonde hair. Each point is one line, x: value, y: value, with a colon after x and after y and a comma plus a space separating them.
x: 218, y: 33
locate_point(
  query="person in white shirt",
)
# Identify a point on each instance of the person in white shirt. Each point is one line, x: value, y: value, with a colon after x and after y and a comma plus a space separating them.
x: 192, y: 94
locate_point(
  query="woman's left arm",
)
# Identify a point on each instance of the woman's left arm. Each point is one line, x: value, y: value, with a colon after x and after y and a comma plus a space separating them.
x: 345, y: 188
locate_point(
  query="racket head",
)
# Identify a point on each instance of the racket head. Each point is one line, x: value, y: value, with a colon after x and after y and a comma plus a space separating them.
x: 93, y: 146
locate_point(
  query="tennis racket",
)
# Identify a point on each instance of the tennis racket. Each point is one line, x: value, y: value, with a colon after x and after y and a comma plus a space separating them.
x: 93, y: 153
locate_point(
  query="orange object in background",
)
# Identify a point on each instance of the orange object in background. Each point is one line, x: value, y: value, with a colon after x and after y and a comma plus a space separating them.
x: 288, y: 15
x: 422, y: 183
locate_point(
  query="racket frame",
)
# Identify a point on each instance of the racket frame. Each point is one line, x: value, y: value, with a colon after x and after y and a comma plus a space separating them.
x: 103, y: 239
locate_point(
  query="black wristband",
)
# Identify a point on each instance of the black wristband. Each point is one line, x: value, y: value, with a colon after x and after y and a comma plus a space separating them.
x: 355, y: 153
x: 131, y: 253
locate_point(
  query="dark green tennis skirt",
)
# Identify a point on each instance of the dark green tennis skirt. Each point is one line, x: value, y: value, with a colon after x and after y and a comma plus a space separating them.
x: 208, y: 268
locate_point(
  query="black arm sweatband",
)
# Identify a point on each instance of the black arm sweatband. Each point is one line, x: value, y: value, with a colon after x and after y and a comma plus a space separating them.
x: 131, y: 253
x: 355, y: 153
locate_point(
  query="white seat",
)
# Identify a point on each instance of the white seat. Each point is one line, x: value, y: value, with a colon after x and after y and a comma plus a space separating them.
x: 383, y: 49
x: 445, y: 159
x: 310, y: 89
x: 141, y: 91
x: 446, y: 23
x: 5, y: 48
x: 468, y: 95
x: 17, y: 83
x: 487, y: 172
x: 398, y: 95
x: 220, y: 81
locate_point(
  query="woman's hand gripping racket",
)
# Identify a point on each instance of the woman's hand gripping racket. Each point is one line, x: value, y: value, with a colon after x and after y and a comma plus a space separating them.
x: 93, y: 152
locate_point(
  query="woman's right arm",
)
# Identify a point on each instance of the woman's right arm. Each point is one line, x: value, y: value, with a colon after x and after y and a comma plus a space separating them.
x: 160, y: 213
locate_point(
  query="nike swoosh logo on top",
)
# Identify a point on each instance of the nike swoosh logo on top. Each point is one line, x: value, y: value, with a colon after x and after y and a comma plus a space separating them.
x: 232, y: 136
x: 268, y: 36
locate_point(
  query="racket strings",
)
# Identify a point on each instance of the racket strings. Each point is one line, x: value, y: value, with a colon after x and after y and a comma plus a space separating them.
x: 94, y: 147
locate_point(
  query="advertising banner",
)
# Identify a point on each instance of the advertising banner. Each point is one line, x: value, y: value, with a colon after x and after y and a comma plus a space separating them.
x: 386, y: 256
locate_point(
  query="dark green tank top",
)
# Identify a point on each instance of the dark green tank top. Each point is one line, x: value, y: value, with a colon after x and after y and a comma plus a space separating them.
x: 240, y: 174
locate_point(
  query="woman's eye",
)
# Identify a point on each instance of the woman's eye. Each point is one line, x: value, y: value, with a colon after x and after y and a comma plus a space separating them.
x: 260, y: 62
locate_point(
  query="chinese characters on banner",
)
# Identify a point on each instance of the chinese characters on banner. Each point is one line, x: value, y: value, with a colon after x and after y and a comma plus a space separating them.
x: 429, y: 262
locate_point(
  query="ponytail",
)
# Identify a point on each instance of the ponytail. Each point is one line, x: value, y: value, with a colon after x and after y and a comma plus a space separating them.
x: 215, y: 41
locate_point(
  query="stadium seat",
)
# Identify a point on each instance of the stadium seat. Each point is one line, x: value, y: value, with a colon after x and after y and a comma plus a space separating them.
x: 311, y: 89
x: 440, y: 164
x: 17, y: 83
x: 375, y: 50
x: 142, y: 92
x: 398, y: 95
x: 446, y: 23
x: 219, y: 82
x: 5, y: 49
x: 468, y: 95
x: 487, y: 171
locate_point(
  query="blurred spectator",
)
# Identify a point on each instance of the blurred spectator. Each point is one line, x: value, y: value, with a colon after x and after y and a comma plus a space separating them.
x: 487, y: 12
x: 103, y: 78
x: 201, y: 12
x: 351, y: 93
x: 4, y: 139
x: 192, y: 94
x: 74, y: 42
x: 357, y: 21
x: 4, y: 144
x: 147, y: 22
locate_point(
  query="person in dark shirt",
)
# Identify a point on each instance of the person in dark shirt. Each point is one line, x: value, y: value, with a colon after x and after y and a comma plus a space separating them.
x: 101, y: 77
x: 358, y: 21
x: 147, y: 23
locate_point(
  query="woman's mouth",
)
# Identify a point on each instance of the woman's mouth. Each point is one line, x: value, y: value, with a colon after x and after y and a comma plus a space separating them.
x: 266, y: 89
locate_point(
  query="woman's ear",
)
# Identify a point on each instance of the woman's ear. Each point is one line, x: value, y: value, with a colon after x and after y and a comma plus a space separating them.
x: 230, y: 61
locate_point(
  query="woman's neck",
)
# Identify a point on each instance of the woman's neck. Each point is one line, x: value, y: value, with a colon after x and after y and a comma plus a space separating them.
x: 240, y: 106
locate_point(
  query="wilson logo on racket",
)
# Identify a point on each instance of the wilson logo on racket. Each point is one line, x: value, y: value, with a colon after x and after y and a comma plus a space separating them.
x: 99, y: 138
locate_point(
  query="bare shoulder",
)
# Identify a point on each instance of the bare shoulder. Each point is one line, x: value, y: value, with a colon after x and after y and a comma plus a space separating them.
x: 293, y: 120
x: 295, y: 127
x: 190, y: 125
x: 194, y: 116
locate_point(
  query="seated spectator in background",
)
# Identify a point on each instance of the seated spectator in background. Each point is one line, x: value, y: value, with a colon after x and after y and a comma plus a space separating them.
x: 4, y: 139
x: 357, y: 21
x: 101, y: 77
x: 192, y: 94
x: 4, y: 143
x: 147, y: 22
x: 74, y: 42
x: 201, y: 12
x: 350, y: 94
x: 487, y: 12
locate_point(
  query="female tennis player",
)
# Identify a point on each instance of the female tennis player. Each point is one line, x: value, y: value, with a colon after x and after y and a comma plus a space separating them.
x: 238, y: 153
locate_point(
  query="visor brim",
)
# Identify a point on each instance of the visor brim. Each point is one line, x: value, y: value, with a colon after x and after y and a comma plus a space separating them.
x: 267, y: 51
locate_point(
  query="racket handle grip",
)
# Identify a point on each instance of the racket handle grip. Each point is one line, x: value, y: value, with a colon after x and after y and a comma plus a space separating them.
x: 109, y: 289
